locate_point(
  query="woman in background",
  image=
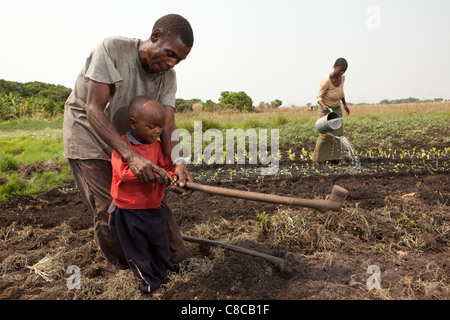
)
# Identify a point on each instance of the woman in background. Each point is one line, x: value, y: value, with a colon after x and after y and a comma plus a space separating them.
x: 331, y: 93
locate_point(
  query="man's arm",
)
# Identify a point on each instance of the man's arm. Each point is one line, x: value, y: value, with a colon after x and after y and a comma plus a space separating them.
x: 97, y: 100
x: 122, y: 169
x: 168, y: 146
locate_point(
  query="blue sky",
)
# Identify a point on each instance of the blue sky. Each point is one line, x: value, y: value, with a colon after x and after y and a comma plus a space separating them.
x: 271, y: 49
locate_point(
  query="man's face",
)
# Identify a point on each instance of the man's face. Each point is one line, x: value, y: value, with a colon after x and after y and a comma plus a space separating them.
x: 162, y: 56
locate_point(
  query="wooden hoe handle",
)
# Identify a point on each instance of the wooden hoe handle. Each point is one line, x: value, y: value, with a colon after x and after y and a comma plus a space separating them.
x: 337, y: 197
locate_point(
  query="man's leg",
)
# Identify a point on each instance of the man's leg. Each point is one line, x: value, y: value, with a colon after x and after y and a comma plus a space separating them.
x: 178, y: 251
x: 93, y: 179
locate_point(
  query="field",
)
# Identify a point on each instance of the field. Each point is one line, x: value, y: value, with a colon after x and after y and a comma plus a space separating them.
x: 390, y: 241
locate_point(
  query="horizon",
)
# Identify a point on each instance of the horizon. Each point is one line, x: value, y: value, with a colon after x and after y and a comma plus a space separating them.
x: 391, y: 101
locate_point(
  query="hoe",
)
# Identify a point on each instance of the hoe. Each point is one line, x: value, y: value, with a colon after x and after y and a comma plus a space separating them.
x: 281, y: 263
x: 334, y: 202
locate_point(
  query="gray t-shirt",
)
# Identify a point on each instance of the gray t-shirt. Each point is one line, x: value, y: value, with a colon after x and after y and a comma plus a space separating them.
x: 115, y: 61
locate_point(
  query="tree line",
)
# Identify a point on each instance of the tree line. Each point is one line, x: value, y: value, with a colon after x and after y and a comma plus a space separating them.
x: 38, y: 99
x: 228, y: 101
x: 410, y: 100
x: 31, y: 99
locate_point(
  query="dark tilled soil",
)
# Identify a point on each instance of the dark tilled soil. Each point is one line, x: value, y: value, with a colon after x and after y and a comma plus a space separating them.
x: 395, y: 217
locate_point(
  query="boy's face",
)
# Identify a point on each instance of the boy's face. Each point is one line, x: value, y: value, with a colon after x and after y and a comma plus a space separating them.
x: 148, y: 124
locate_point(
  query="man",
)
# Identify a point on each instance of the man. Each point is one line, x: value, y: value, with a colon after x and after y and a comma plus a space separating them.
x: 96, y: 115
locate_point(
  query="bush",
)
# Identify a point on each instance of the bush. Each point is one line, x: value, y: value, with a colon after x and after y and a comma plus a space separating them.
x: 14, y: 188
x: 8, y: 163
x: 210, y: 106
x: 238, y: 101
x: 186, y: 105
x: 31, y: 100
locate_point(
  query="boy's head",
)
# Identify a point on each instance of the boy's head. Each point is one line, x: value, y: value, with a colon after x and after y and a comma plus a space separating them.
x: 147, y: 117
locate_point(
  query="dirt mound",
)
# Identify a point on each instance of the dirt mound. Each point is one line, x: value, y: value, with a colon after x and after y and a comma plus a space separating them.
x: 395, y: 217
x: 29, y: 169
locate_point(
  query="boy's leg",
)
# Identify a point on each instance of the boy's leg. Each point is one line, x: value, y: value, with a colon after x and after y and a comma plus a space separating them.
x: 159, y: 243
x: 135, y: 229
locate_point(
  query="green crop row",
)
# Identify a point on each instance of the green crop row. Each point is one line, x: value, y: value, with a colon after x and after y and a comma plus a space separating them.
x: 375, y: 132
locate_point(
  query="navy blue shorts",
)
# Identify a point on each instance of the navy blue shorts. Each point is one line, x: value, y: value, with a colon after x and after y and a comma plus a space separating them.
x: 142, y: 234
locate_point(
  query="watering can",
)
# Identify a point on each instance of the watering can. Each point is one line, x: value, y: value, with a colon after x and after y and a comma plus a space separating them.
x: 328, y: 123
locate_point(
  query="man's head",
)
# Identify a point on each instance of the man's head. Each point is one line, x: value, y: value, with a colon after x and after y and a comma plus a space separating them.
x: 170, y: 42
x: 175, y: 26
x: 147, y: 117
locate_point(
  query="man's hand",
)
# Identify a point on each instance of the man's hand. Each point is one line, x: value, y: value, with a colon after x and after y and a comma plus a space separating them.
x: 181, y: 176
x: 170, y: 142
x: 147, y: 171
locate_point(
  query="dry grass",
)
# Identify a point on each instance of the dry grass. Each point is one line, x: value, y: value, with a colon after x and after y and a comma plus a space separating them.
x: 399, y: 233
x: 403, y: 222
x: 268, y: 116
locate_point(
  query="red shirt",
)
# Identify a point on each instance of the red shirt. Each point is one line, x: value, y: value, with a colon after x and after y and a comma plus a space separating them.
x: 127, y: 191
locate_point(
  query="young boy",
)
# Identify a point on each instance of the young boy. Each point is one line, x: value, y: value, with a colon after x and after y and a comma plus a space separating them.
x: 136, y: 212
